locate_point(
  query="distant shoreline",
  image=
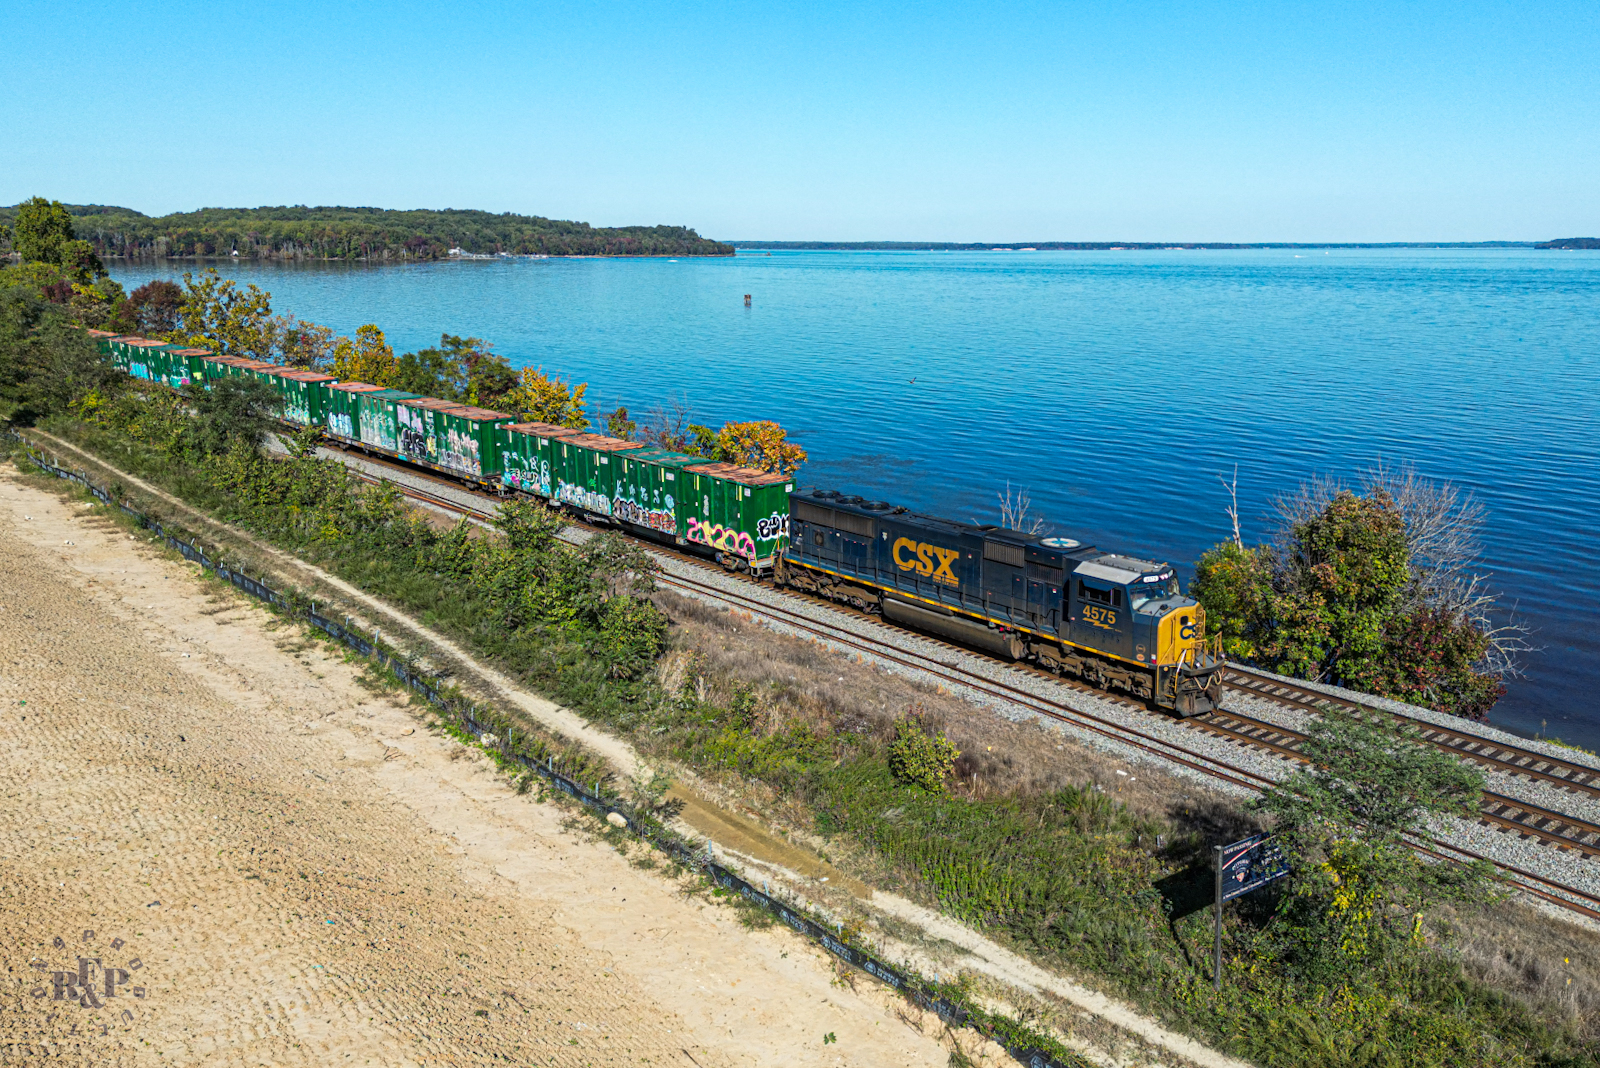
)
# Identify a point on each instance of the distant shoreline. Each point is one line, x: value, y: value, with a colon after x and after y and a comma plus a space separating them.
x: 1133, y: 246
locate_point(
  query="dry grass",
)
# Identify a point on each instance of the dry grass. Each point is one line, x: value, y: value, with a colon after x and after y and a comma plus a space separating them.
x: 799, y: 679
x: 1553, y: 966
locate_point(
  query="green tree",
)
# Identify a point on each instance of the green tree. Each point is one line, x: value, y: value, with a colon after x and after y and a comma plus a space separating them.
x: 618, y: 425
x: 47, y: 363
x: 482, y: 377
x: 368, y: 358
x: 633, y: 632
x: 42, y: 228
x: 234, y: 414
x: 549, y: 400
x: 218, y: 315
x: 1234, y: 584
x: 1358, y: 892
x: 919, y: 757
x: 428, y: 372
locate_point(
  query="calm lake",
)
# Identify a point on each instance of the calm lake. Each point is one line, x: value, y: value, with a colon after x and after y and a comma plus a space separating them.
x: 1114, y: 386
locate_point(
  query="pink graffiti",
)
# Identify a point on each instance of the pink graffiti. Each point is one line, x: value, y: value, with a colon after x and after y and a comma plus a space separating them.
x: 727, y: 539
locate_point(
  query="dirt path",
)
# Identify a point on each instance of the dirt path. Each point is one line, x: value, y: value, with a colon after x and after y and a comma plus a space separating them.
x: 219, y: 816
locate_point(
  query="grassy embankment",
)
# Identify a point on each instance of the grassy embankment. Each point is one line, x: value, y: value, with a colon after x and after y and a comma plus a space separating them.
x: 1064, y: 874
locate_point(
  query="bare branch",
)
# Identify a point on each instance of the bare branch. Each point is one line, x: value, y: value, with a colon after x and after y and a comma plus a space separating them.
x: 1233, y: 507
x: 1014, y: 509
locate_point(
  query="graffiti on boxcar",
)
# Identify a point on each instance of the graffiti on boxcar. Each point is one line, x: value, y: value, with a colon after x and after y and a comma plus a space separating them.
x: 414, y: 437
x: 587, y: 499
x: 534, y: 479
x: 775, y: 525
x: 639, y: 515
x: 296, y: 410
x: 341, y: 424
x: 718, y: 536
x: 460, y: 452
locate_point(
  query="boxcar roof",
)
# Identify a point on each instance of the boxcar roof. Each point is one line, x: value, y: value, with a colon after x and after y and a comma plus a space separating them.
x: 654, y: 454
x: 601, y: 443
x: 543, y: 430
x: 193, y: 352
x: 745, y: 476
x: 355, y: 387
x: 144, y: 342
x: 433, y: 403
x: 468, y: 411
x: 102, y: 333
x: 301, y: 375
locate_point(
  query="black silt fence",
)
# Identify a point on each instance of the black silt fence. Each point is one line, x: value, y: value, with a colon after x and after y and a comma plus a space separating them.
x: 948, y: 1005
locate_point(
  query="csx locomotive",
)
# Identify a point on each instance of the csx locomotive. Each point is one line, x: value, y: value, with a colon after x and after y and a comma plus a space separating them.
x: 1112, y: 620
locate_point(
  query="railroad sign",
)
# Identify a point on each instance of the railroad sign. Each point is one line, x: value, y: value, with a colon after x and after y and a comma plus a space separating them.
x: 1244, y: 866
x: 1247, y: 865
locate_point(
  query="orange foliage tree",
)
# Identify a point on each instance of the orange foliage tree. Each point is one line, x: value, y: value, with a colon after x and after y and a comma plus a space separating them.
x: 761, y: 444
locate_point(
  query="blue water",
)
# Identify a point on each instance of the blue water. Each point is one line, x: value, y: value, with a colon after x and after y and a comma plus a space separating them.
x: 1114, y: 386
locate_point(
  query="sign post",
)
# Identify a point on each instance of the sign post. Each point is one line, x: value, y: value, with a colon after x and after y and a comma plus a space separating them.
x: 1243, y: 866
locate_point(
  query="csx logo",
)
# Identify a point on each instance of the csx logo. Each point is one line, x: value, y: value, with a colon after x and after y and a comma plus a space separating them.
x: 928, y: 560
x: 1187, y: 631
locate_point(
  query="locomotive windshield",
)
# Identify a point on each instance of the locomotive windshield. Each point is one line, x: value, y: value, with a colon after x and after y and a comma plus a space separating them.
x: 1141, y: 593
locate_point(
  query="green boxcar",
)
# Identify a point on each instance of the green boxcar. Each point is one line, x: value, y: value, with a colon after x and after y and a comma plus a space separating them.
x: 122, y: 348
x: 217, y: 367
x: 469, y: 441
x: 148, y: 359
x: 376, y: 425
x: 305, y: 396
x: 343, y: 412
x: 735, y: 513
x: 418, y: 423
x: 740, y: 513
x: 648, y: 488
x: 102, y: 343
x: 185, y: 366
x: 582, y: 469
x: 526, y: 462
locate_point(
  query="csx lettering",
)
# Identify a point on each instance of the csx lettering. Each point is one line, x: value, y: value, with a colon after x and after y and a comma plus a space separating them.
x: 930, y: 561
x: 1186, y: 632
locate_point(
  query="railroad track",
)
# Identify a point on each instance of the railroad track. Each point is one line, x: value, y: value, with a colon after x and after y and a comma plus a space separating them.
x: 1513, y: 814
x: 1497, y: 756
x: 1559, y: 830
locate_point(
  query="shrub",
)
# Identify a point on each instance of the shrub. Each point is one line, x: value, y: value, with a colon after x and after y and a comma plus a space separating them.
x: 919, y: 758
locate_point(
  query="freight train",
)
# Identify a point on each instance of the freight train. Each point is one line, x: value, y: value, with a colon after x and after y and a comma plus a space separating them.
x: 1113, y: 620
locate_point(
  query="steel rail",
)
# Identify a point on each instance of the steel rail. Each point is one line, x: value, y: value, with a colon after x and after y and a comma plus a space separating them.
x: 1558, y: 829
x: 1511, y: 759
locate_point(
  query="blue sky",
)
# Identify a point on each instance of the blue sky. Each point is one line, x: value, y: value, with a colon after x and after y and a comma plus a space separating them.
x: 994, y: 121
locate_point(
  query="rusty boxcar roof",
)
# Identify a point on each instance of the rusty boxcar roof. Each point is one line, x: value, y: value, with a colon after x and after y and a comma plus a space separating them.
x: 354, y: 387
x: 543, y: 430
x: 601, y: 443
x: 467, y: 411
x: 432, y: 403
x: 745, y: 476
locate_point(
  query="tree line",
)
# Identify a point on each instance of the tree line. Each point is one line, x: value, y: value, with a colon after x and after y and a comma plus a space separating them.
x: 208, y: 311
x: 338, y: 233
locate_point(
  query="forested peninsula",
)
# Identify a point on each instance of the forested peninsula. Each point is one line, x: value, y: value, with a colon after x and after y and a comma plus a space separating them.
x: 302, y: 233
